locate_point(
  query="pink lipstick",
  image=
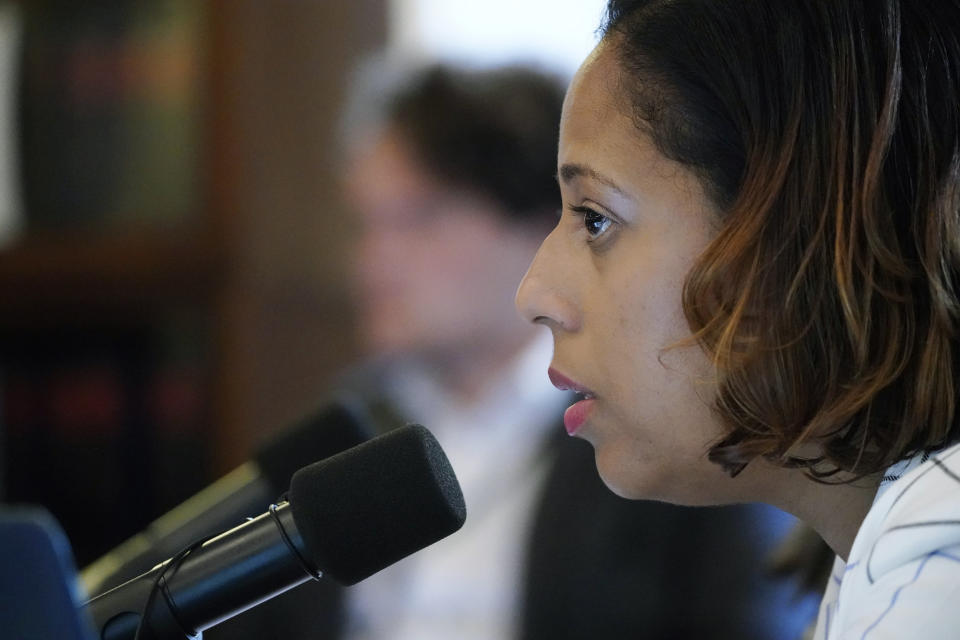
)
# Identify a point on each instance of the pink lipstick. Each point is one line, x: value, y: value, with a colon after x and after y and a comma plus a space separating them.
x: 577, y: 413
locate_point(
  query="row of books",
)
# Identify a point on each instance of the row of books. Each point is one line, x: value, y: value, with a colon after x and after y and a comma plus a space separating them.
x: 109, y: 113
x: 102, y: 428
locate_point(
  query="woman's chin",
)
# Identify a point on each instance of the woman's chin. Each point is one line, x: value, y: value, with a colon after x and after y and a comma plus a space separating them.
x: 628, y: 478
x: 665, y: 481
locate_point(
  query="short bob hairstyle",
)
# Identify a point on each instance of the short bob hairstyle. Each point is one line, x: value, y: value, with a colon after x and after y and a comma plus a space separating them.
x: 827, y: 134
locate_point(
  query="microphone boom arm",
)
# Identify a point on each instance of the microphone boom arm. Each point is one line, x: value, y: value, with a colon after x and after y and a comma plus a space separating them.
x: 221, y: 578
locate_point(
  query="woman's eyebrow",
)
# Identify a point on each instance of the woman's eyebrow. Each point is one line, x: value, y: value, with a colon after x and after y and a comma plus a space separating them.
x: 570, y: 171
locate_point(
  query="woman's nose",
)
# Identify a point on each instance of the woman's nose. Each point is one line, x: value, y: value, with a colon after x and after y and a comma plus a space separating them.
x: 546, y: 294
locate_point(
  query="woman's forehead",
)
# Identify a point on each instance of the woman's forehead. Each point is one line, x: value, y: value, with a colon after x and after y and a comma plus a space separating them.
x: 594, y: 116
x: 596, y: 83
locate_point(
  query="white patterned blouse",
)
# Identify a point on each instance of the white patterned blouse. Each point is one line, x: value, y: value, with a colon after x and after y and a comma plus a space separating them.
x: 902, y: 578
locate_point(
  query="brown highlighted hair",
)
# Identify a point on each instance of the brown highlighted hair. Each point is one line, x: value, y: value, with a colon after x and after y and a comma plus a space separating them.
x: 828, y: 135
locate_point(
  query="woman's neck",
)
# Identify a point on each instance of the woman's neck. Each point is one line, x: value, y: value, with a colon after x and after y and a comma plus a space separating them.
x: 834, y: 511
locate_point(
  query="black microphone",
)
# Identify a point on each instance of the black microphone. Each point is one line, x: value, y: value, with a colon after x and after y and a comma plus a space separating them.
x: 348, y: 517
x: 245, y: 491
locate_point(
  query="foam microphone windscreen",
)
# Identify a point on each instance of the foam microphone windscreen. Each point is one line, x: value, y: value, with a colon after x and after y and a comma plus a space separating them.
x: 362, y: 510
x: 336, y: 427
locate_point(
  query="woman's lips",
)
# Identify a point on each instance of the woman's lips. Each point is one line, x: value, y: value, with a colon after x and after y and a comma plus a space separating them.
x: 576, y: 414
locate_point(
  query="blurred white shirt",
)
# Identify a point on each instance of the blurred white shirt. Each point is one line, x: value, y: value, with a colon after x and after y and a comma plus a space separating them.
x: 468, y: 585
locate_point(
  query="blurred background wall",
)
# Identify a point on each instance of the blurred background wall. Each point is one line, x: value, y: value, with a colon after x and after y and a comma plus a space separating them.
x: 172, y: 238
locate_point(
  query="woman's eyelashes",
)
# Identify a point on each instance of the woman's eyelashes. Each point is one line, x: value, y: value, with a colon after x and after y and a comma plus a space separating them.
x: 596, y: 224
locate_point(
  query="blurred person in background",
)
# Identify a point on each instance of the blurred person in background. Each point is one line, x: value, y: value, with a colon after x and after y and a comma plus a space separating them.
x: 451, y: 175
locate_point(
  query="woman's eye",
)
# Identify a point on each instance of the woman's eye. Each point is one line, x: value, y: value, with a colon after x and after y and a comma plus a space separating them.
x: 595, y: 223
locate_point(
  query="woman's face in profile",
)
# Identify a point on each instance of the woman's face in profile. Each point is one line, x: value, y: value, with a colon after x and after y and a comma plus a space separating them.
x: 607, y: 281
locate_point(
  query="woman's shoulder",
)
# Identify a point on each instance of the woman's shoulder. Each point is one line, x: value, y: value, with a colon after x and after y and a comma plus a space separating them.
x: 902, y: 578
x: 918, y: 514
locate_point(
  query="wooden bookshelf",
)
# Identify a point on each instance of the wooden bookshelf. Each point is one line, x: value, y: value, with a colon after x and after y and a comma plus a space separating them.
x: 91, y: 274
x: 257, y: 264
